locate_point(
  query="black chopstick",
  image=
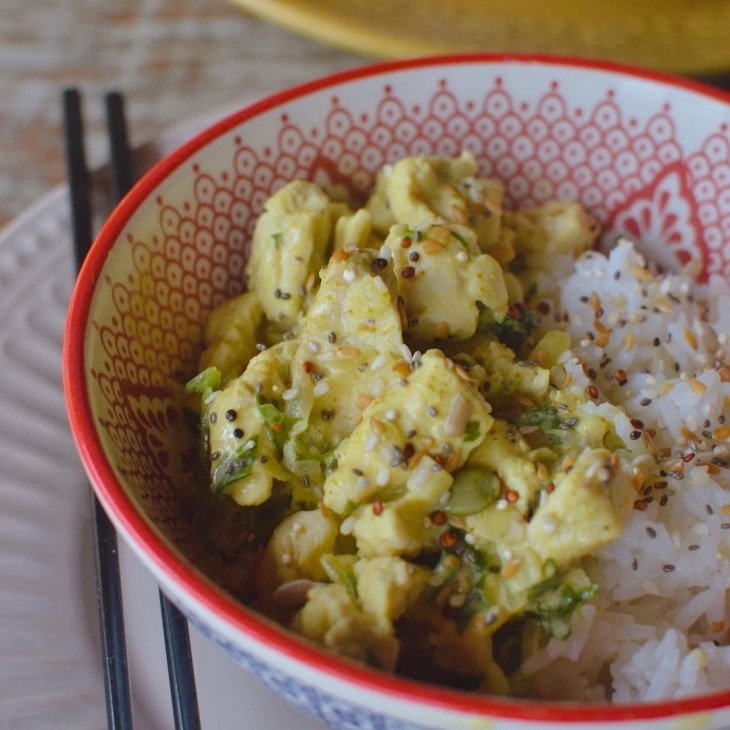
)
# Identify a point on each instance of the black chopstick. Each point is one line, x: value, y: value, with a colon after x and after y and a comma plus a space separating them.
x: 109, y: 589
x: 174, y: 624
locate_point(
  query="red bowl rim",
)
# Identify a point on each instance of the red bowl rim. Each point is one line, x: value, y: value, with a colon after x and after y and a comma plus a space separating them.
x: 202, y: 590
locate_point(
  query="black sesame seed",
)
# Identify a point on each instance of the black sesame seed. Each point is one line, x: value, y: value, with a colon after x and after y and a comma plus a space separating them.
x: 651, y: 532
x: 213, y: 417
x: 693, y: 547
x: 634, y: 435
x: 231, y: 415
x: 263, y: 459
x: 657, y: 342
x: 380, y: 264
x: 668, y: 568
x: 285, y: 295
x: 331, y: 337
x: 238, y: 433
x: 664, y: 499
x: 709, y: 510
x: 358, y: 472
x: 414, y: 256
x: 432, y: 411
x: 634, y: 564
x: 215, y: 455
x: 277, y: 293
x: 725, y: 526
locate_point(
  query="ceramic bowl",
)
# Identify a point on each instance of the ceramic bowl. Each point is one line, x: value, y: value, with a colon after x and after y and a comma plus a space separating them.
x: 648, y: 154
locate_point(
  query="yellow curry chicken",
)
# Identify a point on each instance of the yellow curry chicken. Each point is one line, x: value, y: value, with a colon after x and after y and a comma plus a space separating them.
x: 386, y: 412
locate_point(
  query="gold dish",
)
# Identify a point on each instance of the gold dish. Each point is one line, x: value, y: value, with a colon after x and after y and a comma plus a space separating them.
x: 681, y: 36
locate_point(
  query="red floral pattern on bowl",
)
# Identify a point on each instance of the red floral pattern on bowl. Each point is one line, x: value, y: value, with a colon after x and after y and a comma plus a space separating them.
x: 651, y: 158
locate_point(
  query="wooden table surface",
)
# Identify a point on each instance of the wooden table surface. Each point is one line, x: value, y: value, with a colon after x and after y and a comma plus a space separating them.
x: 173, y: 60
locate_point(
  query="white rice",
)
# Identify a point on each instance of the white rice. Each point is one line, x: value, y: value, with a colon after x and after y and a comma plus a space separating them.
x: 660, y: 624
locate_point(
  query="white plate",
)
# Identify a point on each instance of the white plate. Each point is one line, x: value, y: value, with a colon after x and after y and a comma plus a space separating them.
x: 50, y: 670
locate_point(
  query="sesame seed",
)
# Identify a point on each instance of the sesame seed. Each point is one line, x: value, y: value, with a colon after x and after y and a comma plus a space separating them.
x: 290, y: 394
x: 238, y: 433
x: 348, y: 275
x: 379, y: 283
x: 408, y: 272
x: 348, y: 353
x: 346, y: 526
x: 321, y: 388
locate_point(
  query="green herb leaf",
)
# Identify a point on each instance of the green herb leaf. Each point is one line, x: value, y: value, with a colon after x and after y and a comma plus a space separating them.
x: 513, y: 331
x: 472, y: 432
x: 339, y: 570
x: 553, y: 601
x: 278, y: 424
x: 233, y: 466
x: 205, y: 382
